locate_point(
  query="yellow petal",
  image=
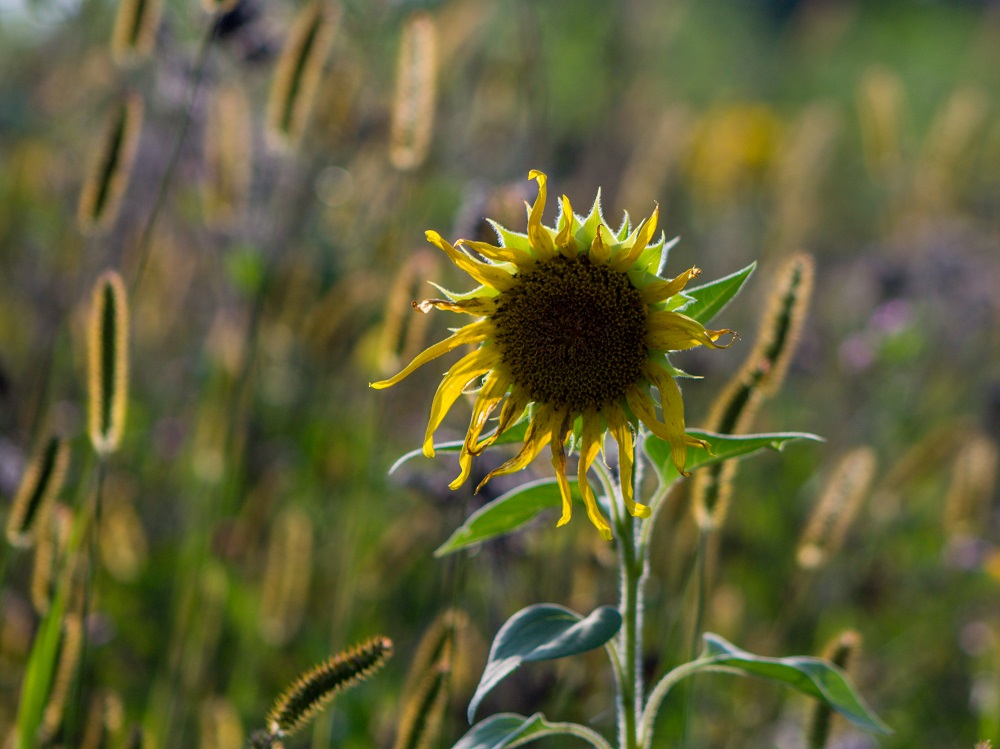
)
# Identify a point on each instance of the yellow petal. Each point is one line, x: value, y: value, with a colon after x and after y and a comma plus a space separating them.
x: 621, y: 430
x: 672, y: 331
x: 660, y: 291
x: 488, y: 399
x: 511, y: 411
x: 538, y: 235
x: 590, y: 446
x: 599, y: 251
x: 560, y: 432
x: 488, y: 275
x: 479, y: 361
x: 538, y: 435
x: 519, y: 258
x: 476, y: 332
x: 625, y: 259
x: 671, y: 428
x: 565, y: 241
x: 478, y: 306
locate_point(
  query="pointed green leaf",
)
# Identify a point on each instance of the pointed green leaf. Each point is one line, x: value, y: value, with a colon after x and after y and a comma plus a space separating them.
x: 513, y: 434
x: 811, y: 676
x: 506, y: 513
x: 540, y: 633
x: 723, y: 446
x: 709, y: 299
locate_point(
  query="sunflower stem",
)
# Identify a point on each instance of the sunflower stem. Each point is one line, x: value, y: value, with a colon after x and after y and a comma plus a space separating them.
x: 630, y: 690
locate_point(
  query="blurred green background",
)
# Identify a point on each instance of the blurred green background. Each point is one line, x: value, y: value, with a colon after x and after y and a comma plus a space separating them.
x: 866, y: 133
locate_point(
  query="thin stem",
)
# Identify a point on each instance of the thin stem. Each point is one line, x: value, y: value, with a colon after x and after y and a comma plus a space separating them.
x: 630, y: 686
x: 146, y: 238
x: 665, y: 684
x: 573, y: 729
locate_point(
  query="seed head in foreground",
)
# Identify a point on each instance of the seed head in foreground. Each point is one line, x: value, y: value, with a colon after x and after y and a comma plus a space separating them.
x: 574, y: 322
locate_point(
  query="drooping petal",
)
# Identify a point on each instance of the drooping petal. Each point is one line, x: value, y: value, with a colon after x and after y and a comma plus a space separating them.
x: 475, y: 332
x: 522, y: 260
x: 477, y: 363
x: 538, y: 435
x: 672, y: 331
x: 510, y: 412
x: 671, y: 428
x: 478, y: 306
x: 621, y: 430
x: 489, y: 397
x: 488, y: 275
x: 625, y: 259
x: 660, y: 291
x: 565, y: 241
x: 600, y: 251
x: 538, y: 235
x: 590, y: 446
x: 560, y: 431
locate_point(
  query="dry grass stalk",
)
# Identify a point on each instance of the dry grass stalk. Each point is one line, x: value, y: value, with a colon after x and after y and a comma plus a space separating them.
x: 970, y: 493
x: 136, y: 22
x: 880, y: 100
x: 102, y: 191
x: 838, y: 505
x: 220, y: 725
x: 298, y: 73
x: 228, y: 155
x: 416, y: 93
x: 107, y: 355
x: 287, y: 574
x: 41, y: 483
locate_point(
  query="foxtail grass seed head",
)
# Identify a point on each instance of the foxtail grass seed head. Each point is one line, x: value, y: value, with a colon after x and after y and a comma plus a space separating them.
x: 105, y: 721
x: 107, y: 357
x: 123, y: 544
x: 416, y: 93
x: 66, y: 662
x: 53, y: 535
x: 299, y: 71
x: 312, y: 691
x: 880, y: 109
x: 970, y: 492
x: 134, y: 34
x: 40, y: 485
x: 439, y: 644
x: 711, y: 494
x: 423, y: 711
x: 228, y: 155
x: 781, y: 325
x: 842, y: 496
x: 402, y: 333
x: 102, y: 191
x: 285, y: 590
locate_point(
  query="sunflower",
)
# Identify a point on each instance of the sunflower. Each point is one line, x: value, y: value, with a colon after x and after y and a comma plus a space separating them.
x: 572, y: 326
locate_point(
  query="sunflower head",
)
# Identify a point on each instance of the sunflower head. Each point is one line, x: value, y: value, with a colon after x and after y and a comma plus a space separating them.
x: 572, y: 326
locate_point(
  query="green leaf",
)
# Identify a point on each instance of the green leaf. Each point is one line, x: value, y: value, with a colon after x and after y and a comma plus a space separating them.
x: 724, y: 447
x: 513, y: 434
x: 39, y: 674
x: 506, y: 513
x: 543, y: 632
x: 510, y: 729
x: 811, y: 676
x: 711, y: 298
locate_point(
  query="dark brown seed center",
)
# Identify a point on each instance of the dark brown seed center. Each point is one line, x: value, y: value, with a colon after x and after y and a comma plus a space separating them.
x: 572, y: 333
